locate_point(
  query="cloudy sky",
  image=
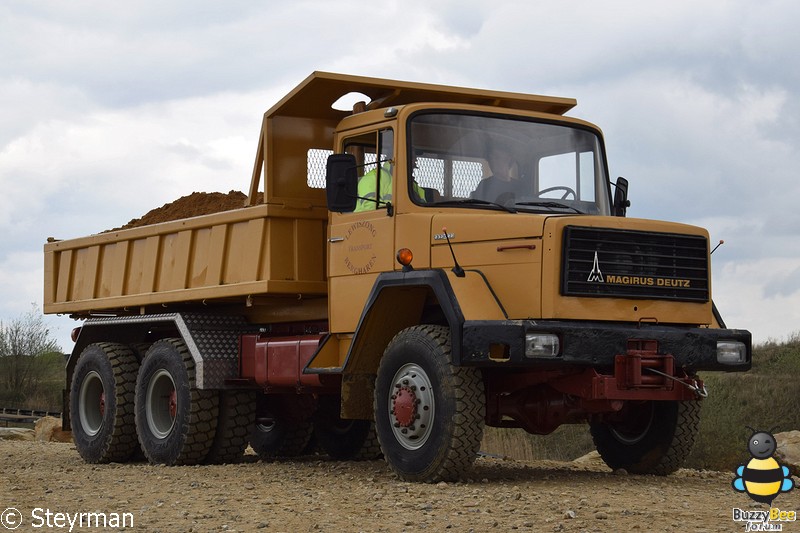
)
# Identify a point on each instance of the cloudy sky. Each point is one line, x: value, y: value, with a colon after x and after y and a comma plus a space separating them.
x: 109, y: 109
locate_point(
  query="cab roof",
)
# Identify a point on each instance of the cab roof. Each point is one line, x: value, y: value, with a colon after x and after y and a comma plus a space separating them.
x: 313, y: 97
x: 304, y: 120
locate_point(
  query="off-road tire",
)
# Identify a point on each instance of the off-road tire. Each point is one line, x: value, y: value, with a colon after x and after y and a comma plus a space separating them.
x: 282, y: 438
x: 344, y: 439
x: 175, y: 421
x: 237, y: 411
x: 657, y: 440
x: 139, y: 349
x: 442, y: 442
x: 102, y: 403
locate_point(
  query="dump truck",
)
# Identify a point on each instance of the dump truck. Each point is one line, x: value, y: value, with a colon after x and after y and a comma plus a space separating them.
x: 422, y: 264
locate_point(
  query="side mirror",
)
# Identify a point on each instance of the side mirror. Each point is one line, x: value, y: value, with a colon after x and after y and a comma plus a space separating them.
x: 341, y: 182
x: 621, y: 202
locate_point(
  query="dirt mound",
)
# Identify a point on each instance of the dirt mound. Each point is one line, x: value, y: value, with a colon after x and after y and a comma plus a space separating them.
x: 193, y: 205
x: 48, y: 429
x: 16, y: 434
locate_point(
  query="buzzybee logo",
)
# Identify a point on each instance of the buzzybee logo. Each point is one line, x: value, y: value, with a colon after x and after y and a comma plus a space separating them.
x: 762, y: 478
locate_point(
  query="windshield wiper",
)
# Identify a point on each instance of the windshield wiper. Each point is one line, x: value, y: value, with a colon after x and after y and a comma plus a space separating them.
x: 551, y: 205
x: 474, y: 201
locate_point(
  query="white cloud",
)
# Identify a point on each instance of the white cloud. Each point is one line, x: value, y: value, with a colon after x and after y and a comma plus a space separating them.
x: 21, y: 279
x: 706, y: 152
x: 109, y: 166
x: 746, y: 295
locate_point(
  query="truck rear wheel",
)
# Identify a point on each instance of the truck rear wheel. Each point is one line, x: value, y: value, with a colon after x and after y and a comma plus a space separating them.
x: 102, y: 403
x: 175, y: 421
x: 653, y: 437
x: 237, y: 410
x: 344, y: 439
x: 283, y: 426
x: 279, y: 437
x: 429, y: 414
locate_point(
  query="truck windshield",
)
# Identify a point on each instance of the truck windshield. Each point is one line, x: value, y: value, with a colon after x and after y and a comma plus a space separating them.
x: 481, y: 161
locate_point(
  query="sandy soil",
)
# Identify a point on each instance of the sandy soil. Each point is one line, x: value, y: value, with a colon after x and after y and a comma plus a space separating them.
x: 192, y: 205
x: 315, y: 494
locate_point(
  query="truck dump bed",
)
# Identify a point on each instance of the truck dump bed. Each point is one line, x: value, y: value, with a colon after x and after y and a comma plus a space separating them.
x: 263, y: 249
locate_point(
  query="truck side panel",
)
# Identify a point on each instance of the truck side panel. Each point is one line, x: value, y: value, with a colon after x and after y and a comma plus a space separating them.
x: 259, y: 250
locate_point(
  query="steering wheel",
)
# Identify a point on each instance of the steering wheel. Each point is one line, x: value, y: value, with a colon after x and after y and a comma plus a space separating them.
x: 567, y: 191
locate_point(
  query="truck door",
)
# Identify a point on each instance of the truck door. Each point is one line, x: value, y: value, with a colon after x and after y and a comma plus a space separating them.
x: 361, y: 243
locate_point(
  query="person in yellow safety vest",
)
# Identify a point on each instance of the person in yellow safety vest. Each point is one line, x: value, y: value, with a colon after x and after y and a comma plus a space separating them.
x: 367, y: 187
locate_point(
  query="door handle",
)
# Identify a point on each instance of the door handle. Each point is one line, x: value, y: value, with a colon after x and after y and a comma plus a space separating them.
x: 517, y: 247
x: 336, y: 239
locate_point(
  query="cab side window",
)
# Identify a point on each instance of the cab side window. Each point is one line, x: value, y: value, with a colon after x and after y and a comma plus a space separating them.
x: 375, y: 164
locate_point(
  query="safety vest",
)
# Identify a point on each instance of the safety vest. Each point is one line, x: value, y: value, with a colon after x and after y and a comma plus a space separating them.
x: 367, y: 187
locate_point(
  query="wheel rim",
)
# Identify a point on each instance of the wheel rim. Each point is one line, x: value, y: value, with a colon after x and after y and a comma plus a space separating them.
x: 265, y: 428
x: 341, y: 427
x: 411, y: 406
x: 634, y: 431
x: 265, y: 422
x: 161, y: 404
x: 92, y: 403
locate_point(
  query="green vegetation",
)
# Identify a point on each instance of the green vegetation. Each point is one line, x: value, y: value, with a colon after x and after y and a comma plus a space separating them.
x: 766, y: 397
x: 31, y: 364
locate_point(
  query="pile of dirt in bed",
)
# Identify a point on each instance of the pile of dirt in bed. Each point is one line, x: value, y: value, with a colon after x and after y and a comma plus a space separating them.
x: 195, y: 204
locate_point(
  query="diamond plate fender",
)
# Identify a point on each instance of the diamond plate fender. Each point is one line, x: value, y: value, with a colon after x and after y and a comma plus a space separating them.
x: 213, y: 340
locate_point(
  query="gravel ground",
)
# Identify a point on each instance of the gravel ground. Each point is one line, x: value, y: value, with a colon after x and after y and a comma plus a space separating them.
x: 316, y: 494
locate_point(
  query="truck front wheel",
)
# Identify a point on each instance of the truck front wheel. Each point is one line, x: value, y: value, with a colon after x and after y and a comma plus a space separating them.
x: 175, y: 421
x: 101, y: 403
x: 652, y: 437
x: 429, y: 414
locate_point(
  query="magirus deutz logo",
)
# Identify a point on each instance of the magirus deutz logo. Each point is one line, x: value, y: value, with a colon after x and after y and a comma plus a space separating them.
x: 596, y: 276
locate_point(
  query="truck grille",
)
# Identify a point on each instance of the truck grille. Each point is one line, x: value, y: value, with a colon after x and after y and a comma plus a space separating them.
x: 605, y: 262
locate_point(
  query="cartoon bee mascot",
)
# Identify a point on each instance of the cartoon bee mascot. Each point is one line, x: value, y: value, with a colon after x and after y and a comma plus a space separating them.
x: 762, y: 478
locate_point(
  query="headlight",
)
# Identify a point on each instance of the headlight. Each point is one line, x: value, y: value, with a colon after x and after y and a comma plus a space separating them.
x: 731, y: 352
x: 541, y: 345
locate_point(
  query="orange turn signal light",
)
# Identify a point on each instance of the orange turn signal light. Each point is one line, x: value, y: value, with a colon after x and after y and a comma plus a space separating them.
x: 404, y: 256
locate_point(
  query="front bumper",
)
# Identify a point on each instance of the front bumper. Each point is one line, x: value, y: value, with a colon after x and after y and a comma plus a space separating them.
x: 596, y: 344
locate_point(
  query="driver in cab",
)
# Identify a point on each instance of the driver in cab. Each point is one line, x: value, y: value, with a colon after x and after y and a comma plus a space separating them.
x: 501, y: 186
